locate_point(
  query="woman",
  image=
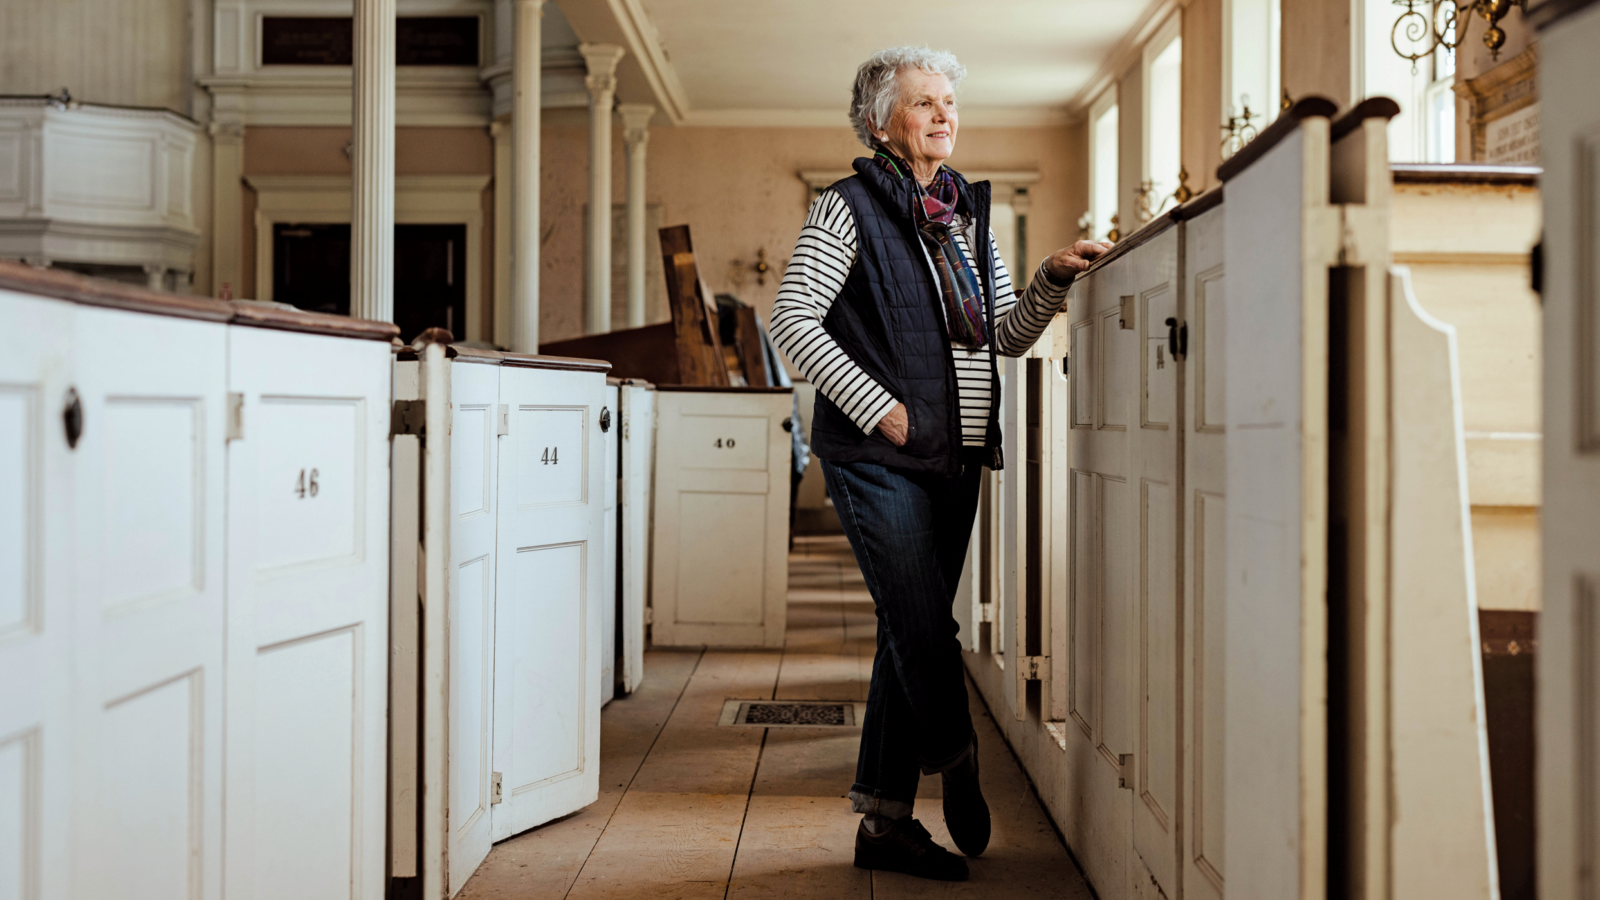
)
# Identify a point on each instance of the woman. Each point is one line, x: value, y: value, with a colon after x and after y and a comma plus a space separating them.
x: 887, y: 309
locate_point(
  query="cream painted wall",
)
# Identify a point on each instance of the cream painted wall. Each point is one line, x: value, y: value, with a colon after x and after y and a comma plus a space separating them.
x: 739, y: 191
x: 130, y: 52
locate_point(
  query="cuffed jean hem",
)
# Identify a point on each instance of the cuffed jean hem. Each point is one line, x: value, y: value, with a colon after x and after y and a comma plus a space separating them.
x: 961, y: 757
x: 862, y: 801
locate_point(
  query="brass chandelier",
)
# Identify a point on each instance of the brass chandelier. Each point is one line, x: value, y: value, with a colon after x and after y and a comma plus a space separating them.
x: 1447, y: 25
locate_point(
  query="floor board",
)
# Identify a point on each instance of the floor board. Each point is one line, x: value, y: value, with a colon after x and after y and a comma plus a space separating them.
x: 692, y: 809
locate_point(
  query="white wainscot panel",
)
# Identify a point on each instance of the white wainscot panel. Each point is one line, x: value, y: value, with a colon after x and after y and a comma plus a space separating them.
x: 1211, y: 534
x: 19, y: 514
x: 723, y: 442
x: 1160, y: 651
x: 19, y: 816
x: 307, y: 747
x: 471, y: 443
x: 12, y: 176
x: 720, y: 558
x: 147, y: 809
x: 553, y: 465
x: 311, y: 462
x: 153, y: 500
x: 106, y: 171
x: 471, y: 617
x: 548, y: 679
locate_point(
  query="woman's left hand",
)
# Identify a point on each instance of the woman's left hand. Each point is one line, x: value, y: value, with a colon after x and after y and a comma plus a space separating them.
x: 1069, y: 261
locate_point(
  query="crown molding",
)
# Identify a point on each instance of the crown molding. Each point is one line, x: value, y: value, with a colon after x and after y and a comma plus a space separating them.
x: 1124, y: 55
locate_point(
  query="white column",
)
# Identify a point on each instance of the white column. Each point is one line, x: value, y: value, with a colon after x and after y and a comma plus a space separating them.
x: 500, y: 331
x: 227, y: 200
x: 525, y: 109
x: 601, y: 60
x: 636, y: 136
x: 372, y: 163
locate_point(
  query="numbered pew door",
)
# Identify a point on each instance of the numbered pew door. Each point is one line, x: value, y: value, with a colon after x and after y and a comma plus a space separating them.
x: 1204, y: 556
x: 308, y: 615
x: 610, y: 647
x: 36, y: 569
x: 720, y: 567
x: 550, y: 588
x: 474, y: 461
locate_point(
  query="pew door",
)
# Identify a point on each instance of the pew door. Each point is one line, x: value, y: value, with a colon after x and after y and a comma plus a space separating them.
x: 1152, y: 553
x: 37, y: 773
x: 1204, y: 558
x: 547, y: 642
x: 474, y: 465
x: 610, y: 435
x: 148, y: 618
x: 308, y: 615
x: 719, y: 565
x: 1099, y: 738
x: 1569, y: 631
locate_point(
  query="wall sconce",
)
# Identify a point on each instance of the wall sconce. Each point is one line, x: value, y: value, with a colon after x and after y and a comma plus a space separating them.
x: 1447, y: 26
x: 1180, y: 195
x: 761, y: 268
x: 1238, y: 131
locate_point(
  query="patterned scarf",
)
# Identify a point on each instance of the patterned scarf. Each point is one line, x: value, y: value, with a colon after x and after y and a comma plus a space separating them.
x: 958, y: 284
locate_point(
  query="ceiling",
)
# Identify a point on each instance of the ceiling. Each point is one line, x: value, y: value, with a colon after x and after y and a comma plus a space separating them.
x: 788, y: 60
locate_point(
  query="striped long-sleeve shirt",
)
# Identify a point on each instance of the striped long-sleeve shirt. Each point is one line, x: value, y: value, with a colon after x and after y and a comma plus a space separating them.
x: 822, y: 259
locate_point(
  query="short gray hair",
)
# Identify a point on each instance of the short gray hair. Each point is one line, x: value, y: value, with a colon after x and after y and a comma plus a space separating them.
x: 877, y: 89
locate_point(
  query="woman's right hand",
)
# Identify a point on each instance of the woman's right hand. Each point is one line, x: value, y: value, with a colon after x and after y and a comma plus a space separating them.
x: 895, y: 426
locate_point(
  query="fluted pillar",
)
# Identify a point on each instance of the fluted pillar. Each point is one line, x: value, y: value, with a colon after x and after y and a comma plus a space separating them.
x: 372, y: 163
x: 601, y: 60
x: 636, y: 137
x: 525, y: 111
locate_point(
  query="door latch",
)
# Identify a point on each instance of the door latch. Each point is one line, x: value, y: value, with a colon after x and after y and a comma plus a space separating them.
x: 408, y: 417
x: 494, y: 788
x: 1177, y: 338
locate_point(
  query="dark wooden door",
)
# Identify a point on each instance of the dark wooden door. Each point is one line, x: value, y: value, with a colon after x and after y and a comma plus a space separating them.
x: 311, y: 270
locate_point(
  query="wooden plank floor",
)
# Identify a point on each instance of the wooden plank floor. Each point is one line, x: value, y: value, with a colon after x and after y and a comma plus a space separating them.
x: 691, y: 809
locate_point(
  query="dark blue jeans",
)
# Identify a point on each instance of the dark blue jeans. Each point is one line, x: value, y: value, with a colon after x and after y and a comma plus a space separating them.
x: 910, y: 535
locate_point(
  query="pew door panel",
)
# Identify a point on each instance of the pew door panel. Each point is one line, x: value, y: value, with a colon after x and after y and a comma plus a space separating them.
x: 37, y: 772
x: 1569, y: 628
x: 474, y: 467
x: 308, y: 615
x: 1204, y: 556
x: 547, y: 645
x: 148, y: 618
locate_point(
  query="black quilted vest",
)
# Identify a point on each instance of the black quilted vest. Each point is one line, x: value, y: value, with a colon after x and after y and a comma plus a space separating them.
x: 889, y: 319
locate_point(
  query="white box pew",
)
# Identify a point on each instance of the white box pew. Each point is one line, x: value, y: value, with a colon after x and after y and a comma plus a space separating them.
x: 195, y: 608
x: 719, y: 557
x: 511, y: 708
x: 1205, y: 526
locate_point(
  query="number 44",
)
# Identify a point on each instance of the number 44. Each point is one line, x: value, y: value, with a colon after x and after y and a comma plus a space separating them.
x: 550, y: 457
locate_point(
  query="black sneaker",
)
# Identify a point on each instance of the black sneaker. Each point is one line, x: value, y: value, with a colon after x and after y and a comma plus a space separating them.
x: 907, y: 847
x: 965, y: 812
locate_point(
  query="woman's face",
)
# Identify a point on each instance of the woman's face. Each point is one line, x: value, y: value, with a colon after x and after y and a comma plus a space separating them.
x: 923, y: 126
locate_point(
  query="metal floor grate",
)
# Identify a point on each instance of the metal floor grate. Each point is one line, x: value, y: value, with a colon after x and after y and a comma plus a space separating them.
x: 792, y: 713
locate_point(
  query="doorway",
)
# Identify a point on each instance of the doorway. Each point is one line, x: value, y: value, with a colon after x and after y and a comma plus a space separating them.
x: 311, y: 270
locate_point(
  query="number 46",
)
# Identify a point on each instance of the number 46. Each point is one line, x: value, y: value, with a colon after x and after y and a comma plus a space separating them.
x: 304, y: 487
